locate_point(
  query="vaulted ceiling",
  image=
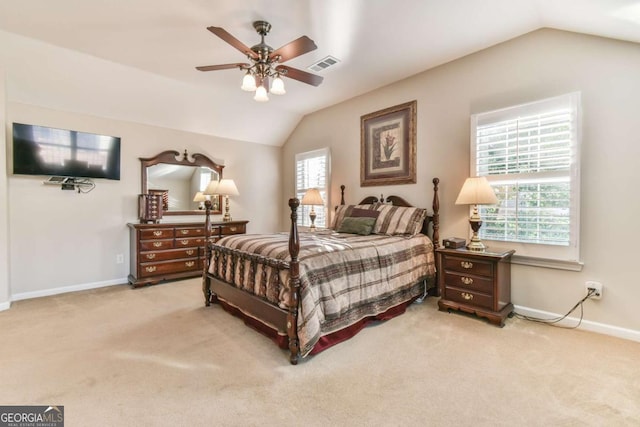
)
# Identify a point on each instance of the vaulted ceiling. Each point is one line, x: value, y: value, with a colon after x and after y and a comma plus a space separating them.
x: 160, y: 42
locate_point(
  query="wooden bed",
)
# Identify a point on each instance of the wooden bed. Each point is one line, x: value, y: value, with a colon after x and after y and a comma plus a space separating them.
x: 272, y: 292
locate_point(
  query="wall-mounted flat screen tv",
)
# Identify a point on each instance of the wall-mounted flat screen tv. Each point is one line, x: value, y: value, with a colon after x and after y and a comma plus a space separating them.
x: 40, y: 150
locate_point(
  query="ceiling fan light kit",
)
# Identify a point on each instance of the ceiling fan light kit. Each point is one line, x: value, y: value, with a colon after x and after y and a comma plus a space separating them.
x: 265, y: 63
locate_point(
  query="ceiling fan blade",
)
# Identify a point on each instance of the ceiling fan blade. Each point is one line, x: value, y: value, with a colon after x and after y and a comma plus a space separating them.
x: 302, y: 76
x: 224, y: 35
x: 222, y: 67
x: 295, y: 48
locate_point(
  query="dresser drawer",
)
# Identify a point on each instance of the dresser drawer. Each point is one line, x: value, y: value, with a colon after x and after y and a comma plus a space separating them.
x: 233, y: 229
x: 153, y: 269
x: 467, y: 281
x: 189, y: 232
x: 152, y: 245
x: 169, y: 254
x: 189, y: 242
x: 468, y: 265
x: 160, y: 233
x: 469, y: 298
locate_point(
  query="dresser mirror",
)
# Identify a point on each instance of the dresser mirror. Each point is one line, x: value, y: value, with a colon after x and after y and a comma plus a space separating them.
x: 177, y: 178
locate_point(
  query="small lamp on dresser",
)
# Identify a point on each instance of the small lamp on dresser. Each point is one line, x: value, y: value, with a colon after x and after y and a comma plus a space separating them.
x: 313, y: 198
x: 476, y: 191
x: 200, y: 198
x: 226, y: 188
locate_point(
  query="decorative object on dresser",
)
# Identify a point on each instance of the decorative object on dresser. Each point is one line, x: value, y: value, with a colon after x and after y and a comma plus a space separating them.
x: 476, y: 191
x: 388, y: 146
x: 172, y: 250
x: 226, y: 188
x: 284, y: 289
x: 312, y: 197
x: 179, y: 175
x: 150, y: 208
x: 475, y: 282
x: 453, y: 242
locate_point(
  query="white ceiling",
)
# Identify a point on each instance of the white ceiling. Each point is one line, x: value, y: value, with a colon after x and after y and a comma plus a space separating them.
x: 377, y: 41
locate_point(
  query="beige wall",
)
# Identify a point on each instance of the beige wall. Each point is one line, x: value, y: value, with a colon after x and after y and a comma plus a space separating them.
x: 62, y: 239
x: 542, y: 64
x: 4, y: 219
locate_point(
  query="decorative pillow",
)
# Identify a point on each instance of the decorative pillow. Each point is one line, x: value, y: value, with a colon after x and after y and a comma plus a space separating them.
x: 368, y: 213
x: 399, y: 220
x: 343, y: 211
x: 357, y: 225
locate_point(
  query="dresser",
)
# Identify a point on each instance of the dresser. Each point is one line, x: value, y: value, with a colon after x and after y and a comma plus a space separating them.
x: 172, y: 250
x: 475, y: 282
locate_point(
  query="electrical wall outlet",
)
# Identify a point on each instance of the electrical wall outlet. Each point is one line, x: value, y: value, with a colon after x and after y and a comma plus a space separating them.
x: 596, y: 286
x: 119, y: 259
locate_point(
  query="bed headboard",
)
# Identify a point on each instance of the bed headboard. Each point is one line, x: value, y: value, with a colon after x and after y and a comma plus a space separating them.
x: 431, y: 225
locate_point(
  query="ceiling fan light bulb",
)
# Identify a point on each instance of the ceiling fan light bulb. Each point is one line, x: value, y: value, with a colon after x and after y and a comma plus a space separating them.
x: 261, y: 94
x: 248, y: 82
x: 277, y: 86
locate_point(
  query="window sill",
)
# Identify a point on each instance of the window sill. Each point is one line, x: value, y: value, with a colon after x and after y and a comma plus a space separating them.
x: 547, y: 263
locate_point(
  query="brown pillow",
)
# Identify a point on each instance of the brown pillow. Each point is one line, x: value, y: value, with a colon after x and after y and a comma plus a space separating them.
x: 367, y: 213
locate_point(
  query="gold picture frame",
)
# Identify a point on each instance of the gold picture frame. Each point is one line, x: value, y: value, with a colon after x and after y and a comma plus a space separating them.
x: 388, y: 146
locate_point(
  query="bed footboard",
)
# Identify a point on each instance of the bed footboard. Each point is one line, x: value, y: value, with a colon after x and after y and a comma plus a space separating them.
x: 216, y: 285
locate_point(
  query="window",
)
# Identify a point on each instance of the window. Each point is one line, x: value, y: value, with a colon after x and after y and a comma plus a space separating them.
x: 312, y: 171
x: 530, y: 156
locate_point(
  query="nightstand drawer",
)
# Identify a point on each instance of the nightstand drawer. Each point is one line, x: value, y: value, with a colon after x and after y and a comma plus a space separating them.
x: 468, y: 265
x: 468, y: 297
x: 467, y: 281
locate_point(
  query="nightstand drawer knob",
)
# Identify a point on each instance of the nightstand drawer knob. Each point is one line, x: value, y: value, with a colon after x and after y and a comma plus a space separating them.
x: 466, y: 280
x: 466, y: 264
x: 467, y: 296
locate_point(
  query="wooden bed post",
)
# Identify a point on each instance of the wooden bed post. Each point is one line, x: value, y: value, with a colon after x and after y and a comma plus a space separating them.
x: 342, y: 187
x: 436, y: 214
x: 294, y: 284
x: 206, y: 285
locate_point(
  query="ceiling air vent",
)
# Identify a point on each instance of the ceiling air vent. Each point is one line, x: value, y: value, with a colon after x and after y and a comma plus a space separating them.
x: 323, y: 64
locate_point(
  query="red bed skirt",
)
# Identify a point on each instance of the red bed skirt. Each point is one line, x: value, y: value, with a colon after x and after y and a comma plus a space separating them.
x: 326, y: 341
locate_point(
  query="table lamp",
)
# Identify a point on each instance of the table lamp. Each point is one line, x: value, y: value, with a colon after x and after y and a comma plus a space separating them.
x: 476, y: 191
x: 313, y: 198
x: 226, y: 188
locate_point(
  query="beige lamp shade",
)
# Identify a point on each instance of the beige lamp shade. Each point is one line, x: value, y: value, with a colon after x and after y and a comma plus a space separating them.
x: 199, y: 197
x: 476, y: 191
x: 226, y: 187
x: 312, y: 197
x: 211, y: 189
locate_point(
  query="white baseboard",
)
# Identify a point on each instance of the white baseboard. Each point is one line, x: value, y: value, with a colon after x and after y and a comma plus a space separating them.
x: 586, y: 325
x: 65, y: 289
x: 5, y: 305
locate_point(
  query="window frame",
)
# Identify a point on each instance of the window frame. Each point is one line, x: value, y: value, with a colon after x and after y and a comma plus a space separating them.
x: 539, y: 254
x: 303, y: 211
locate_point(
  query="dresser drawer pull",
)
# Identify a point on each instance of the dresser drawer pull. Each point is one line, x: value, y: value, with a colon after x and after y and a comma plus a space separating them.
x: 466, y: 264
x: 151, y: 256
x: 150, y: 269
x: 157, y: 244
x: 190, y: 252
x: 467, y: 296
x: 198, y: 231
x: 190, y: 263
x: 466, y: 280
x: 184, y: 242
x: 157, y: 233
x: 232, y: 229
x: 184, y: 231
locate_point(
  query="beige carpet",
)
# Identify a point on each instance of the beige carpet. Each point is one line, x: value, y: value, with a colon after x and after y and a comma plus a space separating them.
x: 157, y: 357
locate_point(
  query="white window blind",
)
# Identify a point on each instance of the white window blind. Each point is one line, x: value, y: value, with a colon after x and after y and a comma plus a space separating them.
x: 312, y: 171
x: 529, y: 154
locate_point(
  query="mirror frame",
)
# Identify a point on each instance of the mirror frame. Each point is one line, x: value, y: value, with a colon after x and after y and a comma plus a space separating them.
x: 171, y: 157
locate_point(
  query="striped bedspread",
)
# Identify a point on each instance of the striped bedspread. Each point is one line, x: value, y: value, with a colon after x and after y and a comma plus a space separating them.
x: 343, y: 277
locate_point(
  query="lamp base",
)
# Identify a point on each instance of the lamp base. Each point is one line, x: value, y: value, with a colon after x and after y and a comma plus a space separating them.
x: 312, y: 217
x: 475, y: 244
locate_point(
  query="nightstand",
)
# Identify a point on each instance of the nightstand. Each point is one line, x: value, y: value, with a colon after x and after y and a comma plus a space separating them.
x: 475, y: 282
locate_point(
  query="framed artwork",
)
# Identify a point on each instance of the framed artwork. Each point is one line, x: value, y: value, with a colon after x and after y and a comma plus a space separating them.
x: 388, y: 146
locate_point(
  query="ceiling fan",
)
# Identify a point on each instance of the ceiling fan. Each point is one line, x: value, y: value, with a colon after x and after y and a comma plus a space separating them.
x: 266, y: 63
